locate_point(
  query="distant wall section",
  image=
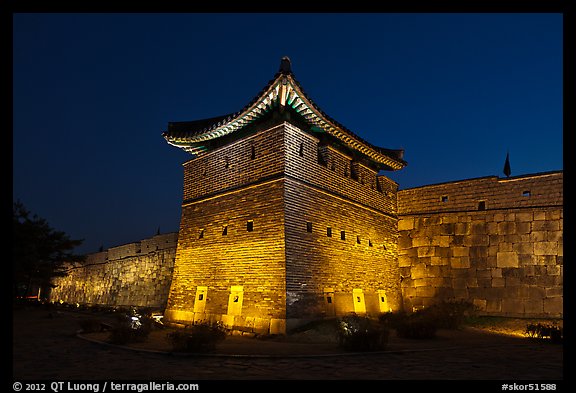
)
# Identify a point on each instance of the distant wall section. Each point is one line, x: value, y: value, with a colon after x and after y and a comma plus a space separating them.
x: 135, y: 274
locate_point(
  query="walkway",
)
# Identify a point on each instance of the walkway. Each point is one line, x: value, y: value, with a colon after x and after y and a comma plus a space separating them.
x: 45, y: 346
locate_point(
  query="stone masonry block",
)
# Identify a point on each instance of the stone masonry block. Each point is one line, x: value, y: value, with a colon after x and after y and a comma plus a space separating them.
x: 441, y: 241
x: 546, y: 248
x: 554, y: 306
x: 554, y: 292
x: 405, y: 224
x: 507, y: 259
x: 421, y: 282
x: 534, y: 306
x: 506, y: 227
x: 421, y: 241
x: 460, y: 262
x: 450, y: 219
x: 426, y: 251
x: 418, y: 271
x: 406, y: 261
x: 439, y: 261
x: 480, y: 304
x: 460, y: 251
x: 523, y: 227
x: 523, y: 248
x: 512, y: 306
x: 539, y: 215
x: 425, y: 291
x: 524, y: 216
x: 462, y: 228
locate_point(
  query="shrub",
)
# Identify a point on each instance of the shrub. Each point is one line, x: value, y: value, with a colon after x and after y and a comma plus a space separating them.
x: 418, y: 325
x: 549, y: 332
x: 357, y: 333
x: 130, y: 327
x: 197, y: 338
x: 425, y: 322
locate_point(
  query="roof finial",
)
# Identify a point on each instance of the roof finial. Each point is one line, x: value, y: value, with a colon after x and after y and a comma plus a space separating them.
x: 285, y: 65
x: 507, y: 170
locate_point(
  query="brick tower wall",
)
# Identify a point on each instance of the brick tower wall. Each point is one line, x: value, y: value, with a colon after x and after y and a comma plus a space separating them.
x: 234, y: 187
x: 274, y: 179
x: 507, y: 258
x: 324, y: 273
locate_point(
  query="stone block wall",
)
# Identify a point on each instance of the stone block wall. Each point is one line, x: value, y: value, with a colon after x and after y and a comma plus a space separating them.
x: 134, y: 274
x: 506, y: 258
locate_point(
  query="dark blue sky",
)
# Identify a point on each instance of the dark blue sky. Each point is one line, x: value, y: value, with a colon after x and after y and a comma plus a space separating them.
x: 94, y: 92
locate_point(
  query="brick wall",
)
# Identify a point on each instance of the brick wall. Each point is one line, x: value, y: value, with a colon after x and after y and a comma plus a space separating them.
x: 544, y: 189
x: 208, y: 257
x: 276, y: 180
x: 507, y: 259
x: 324, y: 197
x: 224, y: 190
x: 134, y: 274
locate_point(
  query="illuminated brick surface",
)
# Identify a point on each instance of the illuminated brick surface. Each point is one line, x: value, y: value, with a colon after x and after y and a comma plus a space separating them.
x: 274, y: 180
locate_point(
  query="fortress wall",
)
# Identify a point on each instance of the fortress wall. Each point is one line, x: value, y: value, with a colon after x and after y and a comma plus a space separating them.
x: 506, y: 259
x: 121, y: 276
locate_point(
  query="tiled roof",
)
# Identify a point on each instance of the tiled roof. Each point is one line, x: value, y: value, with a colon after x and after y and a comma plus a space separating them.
x: 282, y: 90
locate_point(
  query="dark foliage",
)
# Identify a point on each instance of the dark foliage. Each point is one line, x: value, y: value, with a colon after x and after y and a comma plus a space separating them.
x: 547, y: 332
x: 197, y: 338
x: 357, y: 333
x: 425, y: 322
x: 130, y: 327
x: 38, y: 251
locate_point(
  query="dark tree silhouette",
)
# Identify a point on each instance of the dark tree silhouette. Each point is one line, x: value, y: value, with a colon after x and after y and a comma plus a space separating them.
x: 38, y: 252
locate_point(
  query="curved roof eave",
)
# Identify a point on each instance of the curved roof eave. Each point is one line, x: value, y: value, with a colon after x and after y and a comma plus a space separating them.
x: 282, y: 90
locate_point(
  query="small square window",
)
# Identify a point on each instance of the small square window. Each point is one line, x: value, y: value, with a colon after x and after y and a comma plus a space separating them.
x: 329, y: 299
x: 444, y: 198
x: 329, y: 232
x: 201, y: 296
x: 481, y: 205
x: 526, y: 193
x: 250, y: 226
x: 308, y: 226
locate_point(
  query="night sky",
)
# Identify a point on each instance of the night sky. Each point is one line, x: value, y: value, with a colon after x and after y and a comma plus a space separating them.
x: 92, y: 94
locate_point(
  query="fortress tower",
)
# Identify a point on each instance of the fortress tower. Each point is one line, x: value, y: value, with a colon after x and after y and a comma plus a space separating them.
x: 285, y: 217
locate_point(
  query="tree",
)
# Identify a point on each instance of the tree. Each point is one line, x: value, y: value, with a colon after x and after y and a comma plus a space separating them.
x: 39, y: 252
